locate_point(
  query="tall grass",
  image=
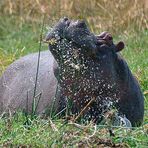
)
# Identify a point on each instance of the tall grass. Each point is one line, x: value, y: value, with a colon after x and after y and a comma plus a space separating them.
x: 114, y: 15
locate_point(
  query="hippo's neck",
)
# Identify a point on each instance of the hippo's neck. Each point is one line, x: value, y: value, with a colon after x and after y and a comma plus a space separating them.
x: 81, y: 78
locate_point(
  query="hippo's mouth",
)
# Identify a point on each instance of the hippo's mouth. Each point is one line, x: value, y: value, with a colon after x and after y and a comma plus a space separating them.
x: 58, y: 31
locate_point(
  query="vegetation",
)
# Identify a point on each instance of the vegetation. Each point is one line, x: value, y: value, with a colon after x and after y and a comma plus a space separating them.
x: 20, y: 29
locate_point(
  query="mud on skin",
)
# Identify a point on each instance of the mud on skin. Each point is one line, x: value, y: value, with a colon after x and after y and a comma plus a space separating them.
x: 90, y: 67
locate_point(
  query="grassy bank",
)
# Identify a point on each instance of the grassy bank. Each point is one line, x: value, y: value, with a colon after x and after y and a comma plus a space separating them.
x: 58, y: 133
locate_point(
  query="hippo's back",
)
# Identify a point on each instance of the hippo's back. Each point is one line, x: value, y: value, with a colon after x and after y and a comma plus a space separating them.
x: 19, y: 79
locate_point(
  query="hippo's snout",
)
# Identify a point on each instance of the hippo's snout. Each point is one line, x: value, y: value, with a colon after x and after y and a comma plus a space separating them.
x: 58, y: 31
x: 52, y: 37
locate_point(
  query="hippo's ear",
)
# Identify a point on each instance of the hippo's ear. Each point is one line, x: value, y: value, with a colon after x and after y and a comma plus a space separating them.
x: 119, y: 46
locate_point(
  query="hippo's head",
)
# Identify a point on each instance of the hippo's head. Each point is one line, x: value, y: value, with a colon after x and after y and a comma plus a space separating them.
x: 76, y: 32
x: 72, y: 43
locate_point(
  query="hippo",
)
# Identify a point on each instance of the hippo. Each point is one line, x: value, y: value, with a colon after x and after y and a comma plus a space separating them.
x: 18, y: 81
x: 93, y: 72
x: 79, y: 67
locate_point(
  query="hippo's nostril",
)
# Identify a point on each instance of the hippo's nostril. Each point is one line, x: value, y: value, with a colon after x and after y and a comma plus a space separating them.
x: 65, y: 18
x: 81, y: 23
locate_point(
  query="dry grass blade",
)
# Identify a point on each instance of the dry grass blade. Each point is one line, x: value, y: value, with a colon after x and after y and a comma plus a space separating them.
x: 79, y: 125
x: 145, y: 92
x: 95, y: 130
x: 84, y: 109
x: 53, y: 126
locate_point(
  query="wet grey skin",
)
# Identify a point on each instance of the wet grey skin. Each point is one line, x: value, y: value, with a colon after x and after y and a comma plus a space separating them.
x: 90, y: 69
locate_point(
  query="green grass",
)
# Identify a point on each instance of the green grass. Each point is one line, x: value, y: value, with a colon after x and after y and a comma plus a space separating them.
x: 47, y: 133
x: 18, y: 39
